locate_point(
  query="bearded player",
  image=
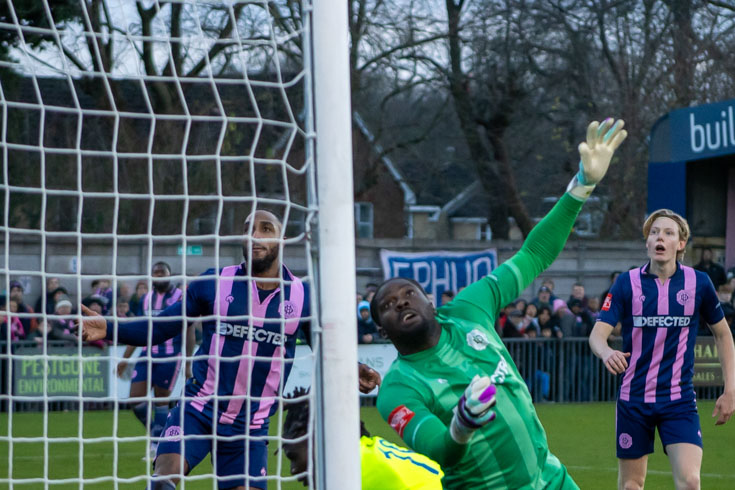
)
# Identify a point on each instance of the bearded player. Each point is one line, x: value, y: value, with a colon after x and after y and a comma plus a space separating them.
x: 452, y: 368
x: 252, y: 315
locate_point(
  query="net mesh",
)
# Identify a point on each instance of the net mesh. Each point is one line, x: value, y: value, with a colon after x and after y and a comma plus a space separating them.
x: 132, y: 133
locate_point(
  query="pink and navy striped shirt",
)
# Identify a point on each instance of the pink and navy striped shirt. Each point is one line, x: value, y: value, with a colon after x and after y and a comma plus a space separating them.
x: 154, y: 303
x: 659, y: 327
x: 248, y: 344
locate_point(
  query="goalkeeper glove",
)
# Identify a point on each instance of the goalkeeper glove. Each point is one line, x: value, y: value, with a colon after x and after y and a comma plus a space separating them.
x: 473, y: 409
x: 596, y: 153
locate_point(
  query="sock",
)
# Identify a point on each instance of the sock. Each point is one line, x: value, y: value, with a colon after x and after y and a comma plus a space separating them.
x: 162, y: 485
x: 141, y: 412
x: 159, y: 421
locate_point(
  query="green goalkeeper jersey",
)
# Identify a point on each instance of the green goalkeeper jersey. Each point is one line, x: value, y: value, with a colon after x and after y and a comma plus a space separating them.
x: 419, y: 392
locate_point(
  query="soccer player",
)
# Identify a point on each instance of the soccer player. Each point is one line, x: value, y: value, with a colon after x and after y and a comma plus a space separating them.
x: 452, y: 367
x: 383, y: 465
x: 163, y: 374
x: 659, y: 307
x: 233, y: 390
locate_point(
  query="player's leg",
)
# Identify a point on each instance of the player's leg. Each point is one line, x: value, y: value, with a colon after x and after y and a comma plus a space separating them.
x: 172, y: 460
x: 634, y: 430
x: 139, y: 389
x: 681, y: 437
x: 250, y: 454
x: 632, y: 473
x: 686, y: 463
x: 163, y: 379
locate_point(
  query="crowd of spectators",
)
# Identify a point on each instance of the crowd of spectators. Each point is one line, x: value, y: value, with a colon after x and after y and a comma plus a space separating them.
x: 20, y: 322
x: 548, y: 315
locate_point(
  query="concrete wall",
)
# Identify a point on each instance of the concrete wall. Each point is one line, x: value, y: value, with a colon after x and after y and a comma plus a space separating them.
x: 130, y: 262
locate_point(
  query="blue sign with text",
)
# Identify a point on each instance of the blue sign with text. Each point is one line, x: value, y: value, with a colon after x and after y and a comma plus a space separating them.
x: 703, y: 131
x: 439, y: 271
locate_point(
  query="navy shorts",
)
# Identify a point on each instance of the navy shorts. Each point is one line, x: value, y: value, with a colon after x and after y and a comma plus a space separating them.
x: 233, y: 454
x: 635, y: 423
x: 164, y: 373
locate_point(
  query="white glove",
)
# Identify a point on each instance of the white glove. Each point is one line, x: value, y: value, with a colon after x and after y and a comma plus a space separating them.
x: 473, y: 409
x: 596, y: 153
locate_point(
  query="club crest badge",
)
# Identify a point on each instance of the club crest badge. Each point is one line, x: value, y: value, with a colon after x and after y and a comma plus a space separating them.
x: 477, y: 340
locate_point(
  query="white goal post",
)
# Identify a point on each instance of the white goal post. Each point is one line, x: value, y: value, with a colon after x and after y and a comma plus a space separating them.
x: 138, y: 132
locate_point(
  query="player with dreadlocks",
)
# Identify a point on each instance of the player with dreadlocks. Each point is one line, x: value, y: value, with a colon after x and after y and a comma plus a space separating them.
x: 385, y: 466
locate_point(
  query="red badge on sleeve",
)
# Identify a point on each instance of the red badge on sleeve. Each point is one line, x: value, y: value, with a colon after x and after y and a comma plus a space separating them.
x: 399, y: 418
x: 607, y: 303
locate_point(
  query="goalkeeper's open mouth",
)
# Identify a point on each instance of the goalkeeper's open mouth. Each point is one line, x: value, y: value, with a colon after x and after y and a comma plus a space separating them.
x: 408, y: 315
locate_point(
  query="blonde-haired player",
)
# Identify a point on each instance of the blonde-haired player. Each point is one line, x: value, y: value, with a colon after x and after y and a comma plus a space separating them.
x: 659, y: 306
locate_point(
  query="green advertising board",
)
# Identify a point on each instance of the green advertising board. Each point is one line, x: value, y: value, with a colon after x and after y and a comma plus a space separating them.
x: 62, y: 367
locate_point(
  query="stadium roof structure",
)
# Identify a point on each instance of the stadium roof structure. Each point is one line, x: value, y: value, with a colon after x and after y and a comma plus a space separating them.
x: 691, y: 171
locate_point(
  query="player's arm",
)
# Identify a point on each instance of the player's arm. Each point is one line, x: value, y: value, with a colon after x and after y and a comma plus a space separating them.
x: 613, y: 309
x: 547, y: 239
x: 191, y: 340
x: 615, y: 361
x: 123, y: 365
x: 725, y: 405
x: 405, y: 410
x: 95, y: 327
x: 714, y: 316
x: 136, y: 332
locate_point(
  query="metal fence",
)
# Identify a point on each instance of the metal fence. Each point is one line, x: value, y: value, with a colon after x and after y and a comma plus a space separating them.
x: 565, y: 370
x: 555, y: 370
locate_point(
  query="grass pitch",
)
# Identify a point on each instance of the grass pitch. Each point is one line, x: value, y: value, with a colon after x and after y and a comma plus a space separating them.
x: 581, y: 435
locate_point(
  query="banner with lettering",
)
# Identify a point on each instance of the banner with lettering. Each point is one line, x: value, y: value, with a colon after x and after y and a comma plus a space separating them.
x: 707, y: 369
x: 62, y: 367
x: 439, y: 271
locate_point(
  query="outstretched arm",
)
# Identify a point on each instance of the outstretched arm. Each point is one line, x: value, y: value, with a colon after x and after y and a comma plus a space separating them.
x: 548, y: 237
x: 95, y: 327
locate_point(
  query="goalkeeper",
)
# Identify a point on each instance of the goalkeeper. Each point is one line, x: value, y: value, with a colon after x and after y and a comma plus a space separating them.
x: 454, y: 393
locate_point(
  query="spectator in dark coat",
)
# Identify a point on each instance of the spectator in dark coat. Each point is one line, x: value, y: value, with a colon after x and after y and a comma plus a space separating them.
x: 16, y: 294
x: 58, y: 328
x: 714, y: 270
x: 366, y: 330
x: 52, y: 283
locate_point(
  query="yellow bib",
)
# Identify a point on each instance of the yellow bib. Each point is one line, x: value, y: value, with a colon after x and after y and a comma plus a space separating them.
x: 386, y: 466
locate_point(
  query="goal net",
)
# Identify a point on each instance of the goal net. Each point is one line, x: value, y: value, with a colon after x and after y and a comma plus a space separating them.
x: 141, y: 144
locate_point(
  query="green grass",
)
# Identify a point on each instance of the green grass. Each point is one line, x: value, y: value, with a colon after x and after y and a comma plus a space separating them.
x: 581, y: 435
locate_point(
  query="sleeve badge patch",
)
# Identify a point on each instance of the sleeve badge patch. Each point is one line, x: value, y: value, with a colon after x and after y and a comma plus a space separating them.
x: 608, y: 302
x: 399, y: 418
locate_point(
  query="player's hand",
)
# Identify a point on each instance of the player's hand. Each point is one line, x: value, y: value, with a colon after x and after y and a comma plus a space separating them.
x: 596, y: 153
x: 94, y: 327
x: 369, y: 378
x: 189, y: 372
x: 121, y: 367
x: 473, y: 409
x: 617, y: 362
x: 724, y: 407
